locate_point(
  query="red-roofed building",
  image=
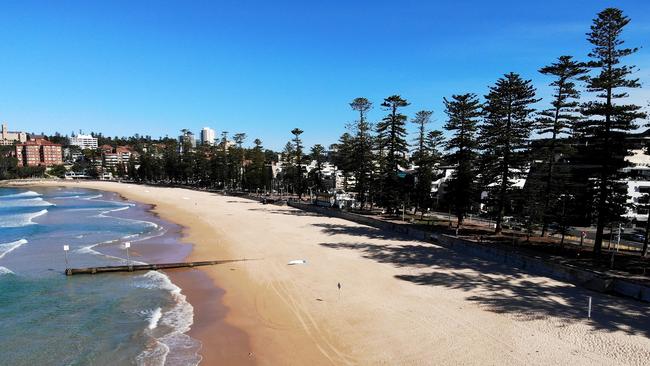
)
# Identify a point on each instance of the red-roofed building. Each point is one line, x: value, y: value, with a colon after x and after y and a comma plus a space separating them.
x: 39, y: 152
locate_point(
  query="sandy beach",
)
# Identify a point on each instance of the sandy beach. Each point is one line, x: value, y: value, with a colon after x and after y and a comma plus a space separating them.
x: 401, y: 301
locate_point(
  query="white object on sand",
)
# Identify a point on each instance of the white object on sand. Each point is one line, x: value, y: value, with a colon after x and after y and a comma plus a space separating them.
x: 297, y: 261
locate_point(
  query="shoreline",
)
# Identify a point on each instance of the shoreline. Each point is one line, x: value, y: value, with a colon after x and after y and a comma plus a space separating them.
x: 206, y: 297
x: 402, y: 301
x: 204, y: 294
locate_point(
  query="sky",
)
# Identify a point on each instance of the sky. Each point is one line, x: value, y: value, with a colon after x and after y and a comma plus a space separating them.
x: 265, y: 67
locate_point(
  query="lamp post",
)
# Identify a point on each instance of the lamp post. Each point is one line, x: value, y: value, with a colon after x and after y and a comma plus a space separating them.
x: 564, y: 227
x: 618, y: 242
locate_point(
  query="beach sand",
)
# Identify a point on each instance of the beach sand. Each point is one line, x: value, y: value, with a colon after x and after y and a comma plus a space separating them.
x: 401, y: 301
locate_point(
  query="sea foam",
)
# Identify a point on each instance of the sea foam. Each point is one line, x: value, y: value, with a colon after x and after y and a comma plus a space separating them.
x: 26, y: 202
x: 21, y: 195
x: 20, y: 220
x: 6, y: 248
x: 154, y: 318
x: 179, y: 318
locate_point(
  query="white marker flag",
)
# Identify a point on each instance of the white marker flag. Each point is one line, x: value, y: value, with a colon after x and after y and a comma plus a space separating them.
x: 66, y: 248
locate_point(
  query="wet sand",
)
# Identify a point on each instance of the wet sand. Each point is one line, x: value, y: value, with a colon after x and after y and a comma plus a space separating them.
x: 223, y: 344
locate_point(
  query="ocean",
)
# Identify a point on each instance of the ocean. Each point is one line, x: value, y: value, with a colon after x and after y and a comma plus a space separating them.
x: 47, y: 318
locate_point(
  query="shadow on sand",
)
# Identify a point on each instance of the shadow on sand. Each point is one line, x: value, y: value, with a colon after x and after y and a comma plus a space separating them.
x: 493, y: 286
x: 290, y: 212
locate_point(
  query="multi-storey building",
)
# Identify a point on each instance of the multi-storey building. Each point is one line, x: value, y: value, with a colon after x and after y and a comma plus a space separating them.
x: 84, y: 141
x: 186, y: 140
x: 112, y: 157
x: 207, y: 136
x: 10, y: 137
x: 39, y: 152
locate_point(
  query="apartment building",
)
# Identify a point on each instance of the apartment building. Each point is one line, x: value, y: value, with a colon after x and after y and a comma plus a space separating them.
x: 39, y: 152
x: 112, y: 157
x: 207, y: 136
x: 84, y: 141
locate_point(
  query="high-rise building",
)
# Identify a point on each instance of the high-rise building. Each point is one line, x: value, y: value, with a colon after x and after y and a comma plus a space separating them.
x: 39, y: 152
x: 84, y: 141
x: 9, y: 137
x: 207, y: 136
x: 187, y: 138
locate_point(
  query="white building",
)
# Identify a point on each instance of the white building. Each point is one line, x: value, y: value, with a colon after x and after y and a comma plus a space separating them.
x: 9, y: 137
x: 207, y: 136
x: 637, y: 185
x: 332, y: 177
x: 84, y: 141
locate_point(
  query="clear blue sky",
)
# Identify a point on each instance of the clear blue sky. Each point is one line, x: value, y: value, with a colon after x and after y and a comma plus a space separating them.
x: 264, y: 67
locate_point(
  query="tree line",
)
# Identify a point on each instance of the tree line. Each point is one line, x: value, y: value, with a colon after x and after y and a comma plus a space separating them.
x: 571, y: 153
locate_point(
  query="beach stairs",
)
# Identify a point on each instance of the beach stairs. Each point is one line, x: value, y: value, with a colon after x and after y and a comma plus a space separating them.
x: 145, y: 267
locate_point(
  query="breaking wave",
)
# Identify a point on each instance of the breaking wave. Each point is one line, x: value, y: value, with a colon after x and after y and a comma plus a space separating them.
x: 174, y: 344
x: 20, y: 220
x: 6, y: 248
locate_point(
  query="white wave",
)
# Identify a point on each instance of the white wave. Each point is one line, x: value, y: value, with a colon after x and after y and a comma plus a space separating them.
x: 26, y: 202
x: 155, y: 354
x: 154, y: 318
x: 119, y: 203
x: 94, y: 197
x: 89, y: 249
x: 22, y: 194
x: 106, y: 212
x: 65, y: 197
x: 83, y: 209
x: 21, y: 219
x: 119, y: 209
x: 175, y: 344
x: 79, y: 195
x: 6, y: 248
x: 148, y: 223
x: 137, y: 237
x: 5, y: 270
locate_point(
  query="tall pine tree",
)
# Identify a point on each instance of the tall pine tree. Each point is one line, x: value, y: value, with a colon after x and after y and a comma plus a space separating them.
x: 362, y: 149
x: 608, y: 123
x: 422, y: 159
x: 558, y: 122
x: 504, y: 137
x: 391, y: 135
x: 463, y: 113
x: 299, y: 184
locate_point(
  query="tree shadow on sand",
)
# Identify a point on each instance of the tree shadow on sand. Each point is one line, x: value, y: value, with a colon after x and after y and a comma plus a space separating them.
x: 291, y: 212
x: 496, y: 287
x: 361, y: 230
